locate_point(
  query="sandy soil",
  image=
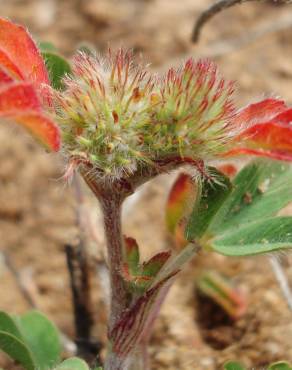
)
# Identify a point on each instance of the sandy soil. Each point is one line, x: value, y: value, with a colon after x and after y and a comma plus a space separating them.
x: 37, y: 211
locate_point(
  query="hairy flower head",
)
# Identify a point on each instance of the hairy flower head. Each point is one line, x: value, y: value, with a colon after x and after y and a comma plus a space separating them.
x: 118, y: 116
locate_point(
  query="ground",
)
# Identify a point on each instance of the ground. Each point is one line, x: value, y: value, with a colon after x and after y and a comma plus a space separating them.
x: 37, y: 211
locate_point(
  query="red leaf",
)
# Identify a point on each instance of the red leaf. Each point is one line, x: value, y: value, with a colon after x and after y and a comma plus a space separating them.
x: 284, y: 117
x: 270, y: 131
x: 270, y: 135
x: 261, y: 111
x: 17, y: 44
x: 42, y: 127
x: 11, y: 67
x: 19, y: 102
x: 270, y: 139
x: 4, y: 77
x: 261, y: 153
x: 18, y: 97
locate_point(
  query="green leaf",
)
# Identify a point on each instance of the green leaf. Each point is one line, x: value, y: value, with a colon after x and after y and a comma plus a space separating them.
x: 46, y: 46
x: 17, y: 350
x: 233, y: 365
x: 73, y: 363
x: 9, y: 325
x: 281, y: 365
x: 242, y: 220
x: 261, y: 189
x: 256, y: 238
x: 57, y: 66
x: 42, y: 338
x: 211, y: 196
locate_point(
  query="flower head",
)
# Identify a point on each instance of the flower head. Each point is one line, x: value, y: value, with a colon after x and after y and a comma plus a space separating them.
x: 117, y: 118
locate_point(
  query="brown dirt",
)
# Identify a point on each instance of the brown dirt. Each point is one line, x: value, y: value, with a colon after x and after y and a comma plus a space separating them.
x: 37, y: 214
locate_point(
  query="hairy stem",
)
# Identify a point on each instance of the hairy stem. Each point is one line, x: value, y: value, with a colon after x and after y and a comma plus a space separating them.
x: 111, y: 207
x: 111, y: 194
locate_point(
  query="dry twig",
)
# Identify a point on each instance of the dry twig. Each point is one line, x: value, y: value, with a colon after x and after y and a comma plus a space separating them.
x: 216, y: 8
x: 282, y: 280
x: 80, y: 285
x: 21, y: 284
x: 78, y: 263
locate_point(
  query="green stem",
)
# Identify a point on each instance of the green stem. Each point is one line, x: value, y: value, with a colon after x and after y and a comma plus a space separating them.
x: 178, y: 261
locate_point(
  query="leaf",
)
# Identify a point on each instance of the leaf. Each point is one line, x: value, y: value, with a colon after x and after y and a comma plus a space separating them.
x: 262, y: 110
x: 19, y: 102
x: 268, y: 130
x: 17, y: 350
x: 132, y: 255
x: 8, y: 325
x: 211, y: 196
x: 57, y: 67
x: 233, y: 365
x: 261, y: 189
x: 9, y: 66
x: 5, y: 77
x: 256, y: 238
x: 154, y: 265
x: 17, y: 46
x: 73, y: 363
x: 221, y: 290
x: 281, y: 365
x: 18, y: 97
x: 243, y: 222
x: 42, y: 127
x: 46, y: 46
x: 180, y: 200
x: 42, y: 338
x: 130, y: 328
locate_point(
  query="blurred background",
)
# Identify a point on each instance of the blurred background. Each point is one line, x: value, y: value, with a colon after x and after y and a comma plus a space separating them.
x: 252, y: 45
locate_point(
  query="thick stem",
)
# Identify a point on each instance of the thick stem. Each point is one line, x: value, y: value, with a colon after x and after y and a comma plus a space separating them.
x: 114, y: 362
x: 111, y: 194
x: 111, y: 206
